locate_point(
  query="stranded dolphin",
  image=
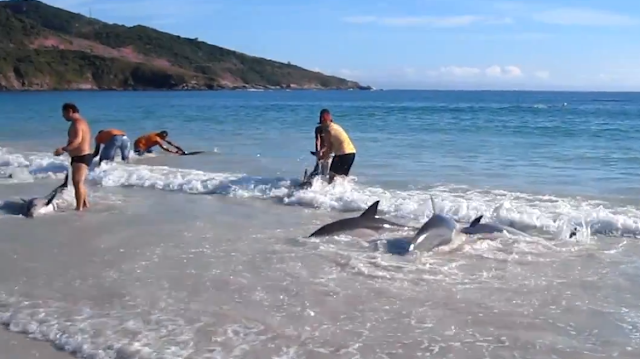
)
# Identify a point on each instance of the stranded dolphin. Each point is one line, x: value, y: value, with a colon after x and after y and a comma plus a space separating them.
x: 475, y: 227
x: 37, y: 205
x: 368, y: 222
x: 307, y: 178
x: 437, y: 231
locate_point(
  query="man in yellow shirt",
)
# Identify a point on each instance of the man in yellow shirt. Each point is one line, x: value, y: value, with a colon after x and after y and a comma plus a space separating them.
x: 336, y: 141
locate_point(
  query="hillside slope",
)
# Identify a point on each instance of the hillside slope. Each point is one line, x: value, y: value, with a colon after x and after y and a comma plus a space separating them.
x: 44, y: 47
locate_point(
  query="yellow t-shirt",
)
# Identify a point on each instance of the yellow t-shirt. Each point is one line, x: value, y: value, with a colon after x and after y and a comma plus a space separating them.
x: 340, y: 142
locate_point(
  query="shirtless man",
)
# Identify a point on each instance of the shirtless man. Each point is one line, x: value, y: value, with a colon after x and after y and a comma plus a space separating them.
x: 79, y: 149
x: 337, y: 142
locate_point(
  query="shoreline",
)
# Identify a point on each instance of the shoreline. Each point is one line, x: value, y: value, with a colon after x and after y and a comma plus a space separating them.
x: 239, y: 88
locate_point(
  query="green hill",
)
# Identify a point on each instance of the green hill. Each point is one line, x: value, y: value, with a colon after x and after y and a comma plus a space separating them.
x: 44, y: 47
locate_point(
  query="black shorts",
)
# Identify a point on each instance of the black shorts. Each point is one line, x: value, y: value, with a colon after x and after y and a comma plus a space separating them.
x: 341, y: 164
x: 84, y: 159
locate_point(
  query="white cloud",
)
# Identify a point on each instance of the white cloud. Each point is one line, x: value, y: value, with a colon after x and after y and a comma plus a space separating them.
x: 542, y: 74
x: 494, y: 71
x: 459, y: 71
x: 434, y: 21
x: 511, y: 71
x: 584, y: 17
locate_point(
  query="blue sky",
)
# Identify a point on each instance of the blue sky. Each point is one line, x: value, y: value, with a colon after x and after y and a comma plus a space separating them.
x: 561, y: 44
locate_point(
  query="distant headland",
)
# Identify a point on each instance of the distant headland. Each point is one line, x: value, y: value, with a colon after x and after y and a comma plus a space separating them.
x: 43, y: 47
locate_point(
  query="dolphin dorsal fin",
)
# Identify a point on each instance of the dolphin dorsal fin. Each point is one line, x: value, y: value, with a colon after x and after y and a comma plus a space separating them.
x: 372, y: 211
x: 476, y: 221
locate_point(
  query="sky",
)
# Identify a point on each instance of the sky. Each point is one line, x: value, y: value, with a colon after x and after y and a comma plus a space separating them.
x: 418, y: 44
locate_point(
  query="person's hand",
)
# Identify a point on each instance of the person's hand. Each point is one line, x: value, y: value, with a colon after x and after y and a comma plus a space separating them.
x: 59, y: 151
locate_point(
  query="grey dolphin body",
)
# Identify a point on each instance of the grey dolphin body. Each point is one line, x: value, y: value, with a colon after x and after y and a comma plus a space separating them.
x: 437, y: 231
x: 368, y: 222
x: 475, y: 227
x: 307, y: 178
x: 35, y: 205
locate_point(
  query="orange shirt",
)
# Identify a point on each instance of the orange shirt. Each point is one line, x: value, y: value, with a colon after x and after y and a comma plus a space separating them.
x: 147, y: 141
x: 106, y: 135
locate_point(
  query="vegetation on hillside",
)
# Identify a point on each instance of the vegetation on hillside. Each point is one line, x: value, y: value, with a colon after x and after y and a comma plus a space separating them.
x: 147, y: 58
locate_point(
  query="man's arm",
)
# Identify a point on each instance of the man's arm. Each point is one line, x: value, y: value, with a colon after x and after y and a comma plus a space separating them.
x: 164, y: 147
x: 326, y: 148
x: 96, y: 152
x: 75, y: 138
x: 318, y: 141
x: 174, y: 145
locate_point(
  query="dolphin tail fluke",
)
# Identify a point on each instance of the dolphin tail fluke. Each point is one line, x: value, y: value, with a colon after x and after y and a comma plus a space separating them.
x: 304, y: 176
x: 51, y: 196
x: 65, y: 184
x: 476, y: 221
x: 372, y: 211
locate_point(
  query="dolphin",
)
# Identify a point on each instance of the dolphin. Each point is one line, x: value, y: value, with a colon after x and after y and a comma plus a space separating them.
x: 37, y: 205
x: 437, y: 231
x: 475, y: 227
x: 368, y: 223
x: 307, y: 178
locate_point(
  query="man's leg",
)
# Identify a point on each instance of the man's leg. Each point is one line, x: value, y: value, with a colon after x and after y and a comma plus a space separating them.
x: 341, y: 166
x: 347, y: 163
x: 125, y: 148
x: 79, y: 174
x: 334, y: 169
x: 109, y: 150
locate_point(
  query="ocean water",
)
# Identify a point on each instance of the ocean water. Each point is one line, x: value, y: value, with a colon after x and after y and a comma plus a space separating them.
x: 207, y: 257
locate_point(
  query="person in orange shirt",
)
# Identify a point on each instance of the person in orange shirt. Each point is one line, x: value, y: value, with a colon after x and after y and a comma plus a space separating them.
x: 146, y: 143
x: 112, y: 140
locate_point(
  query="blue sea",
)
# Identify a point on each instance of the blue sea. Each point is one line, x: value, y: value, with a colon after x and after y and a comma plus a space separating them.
x: 206, y: 256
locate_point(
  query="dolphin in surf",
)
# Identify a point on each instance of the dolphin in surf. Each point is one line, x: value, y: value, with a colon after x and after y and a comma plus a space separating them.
x: 367, y: 223
x: 437, y: 231
x: 307, y: 178
x: 441, y: 230
x: 37, y: 205
x: 475, y: 227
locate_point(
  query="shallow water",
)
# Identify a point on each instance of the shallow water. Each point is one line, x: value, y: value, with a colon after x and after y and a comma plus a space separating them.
x: 206, y: 256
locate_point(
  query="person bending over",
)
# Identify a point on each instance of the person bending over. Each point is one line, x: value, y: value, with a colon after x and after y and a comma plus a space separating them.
x: 112, y: 140
x: 79, y: 149
x: 337, y: 142
x: 146, y: 143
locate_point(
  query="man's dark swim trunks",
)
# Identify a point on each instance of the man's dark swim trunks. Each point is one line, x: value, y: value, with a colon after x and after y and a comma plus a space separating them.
x: 84, y: 159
